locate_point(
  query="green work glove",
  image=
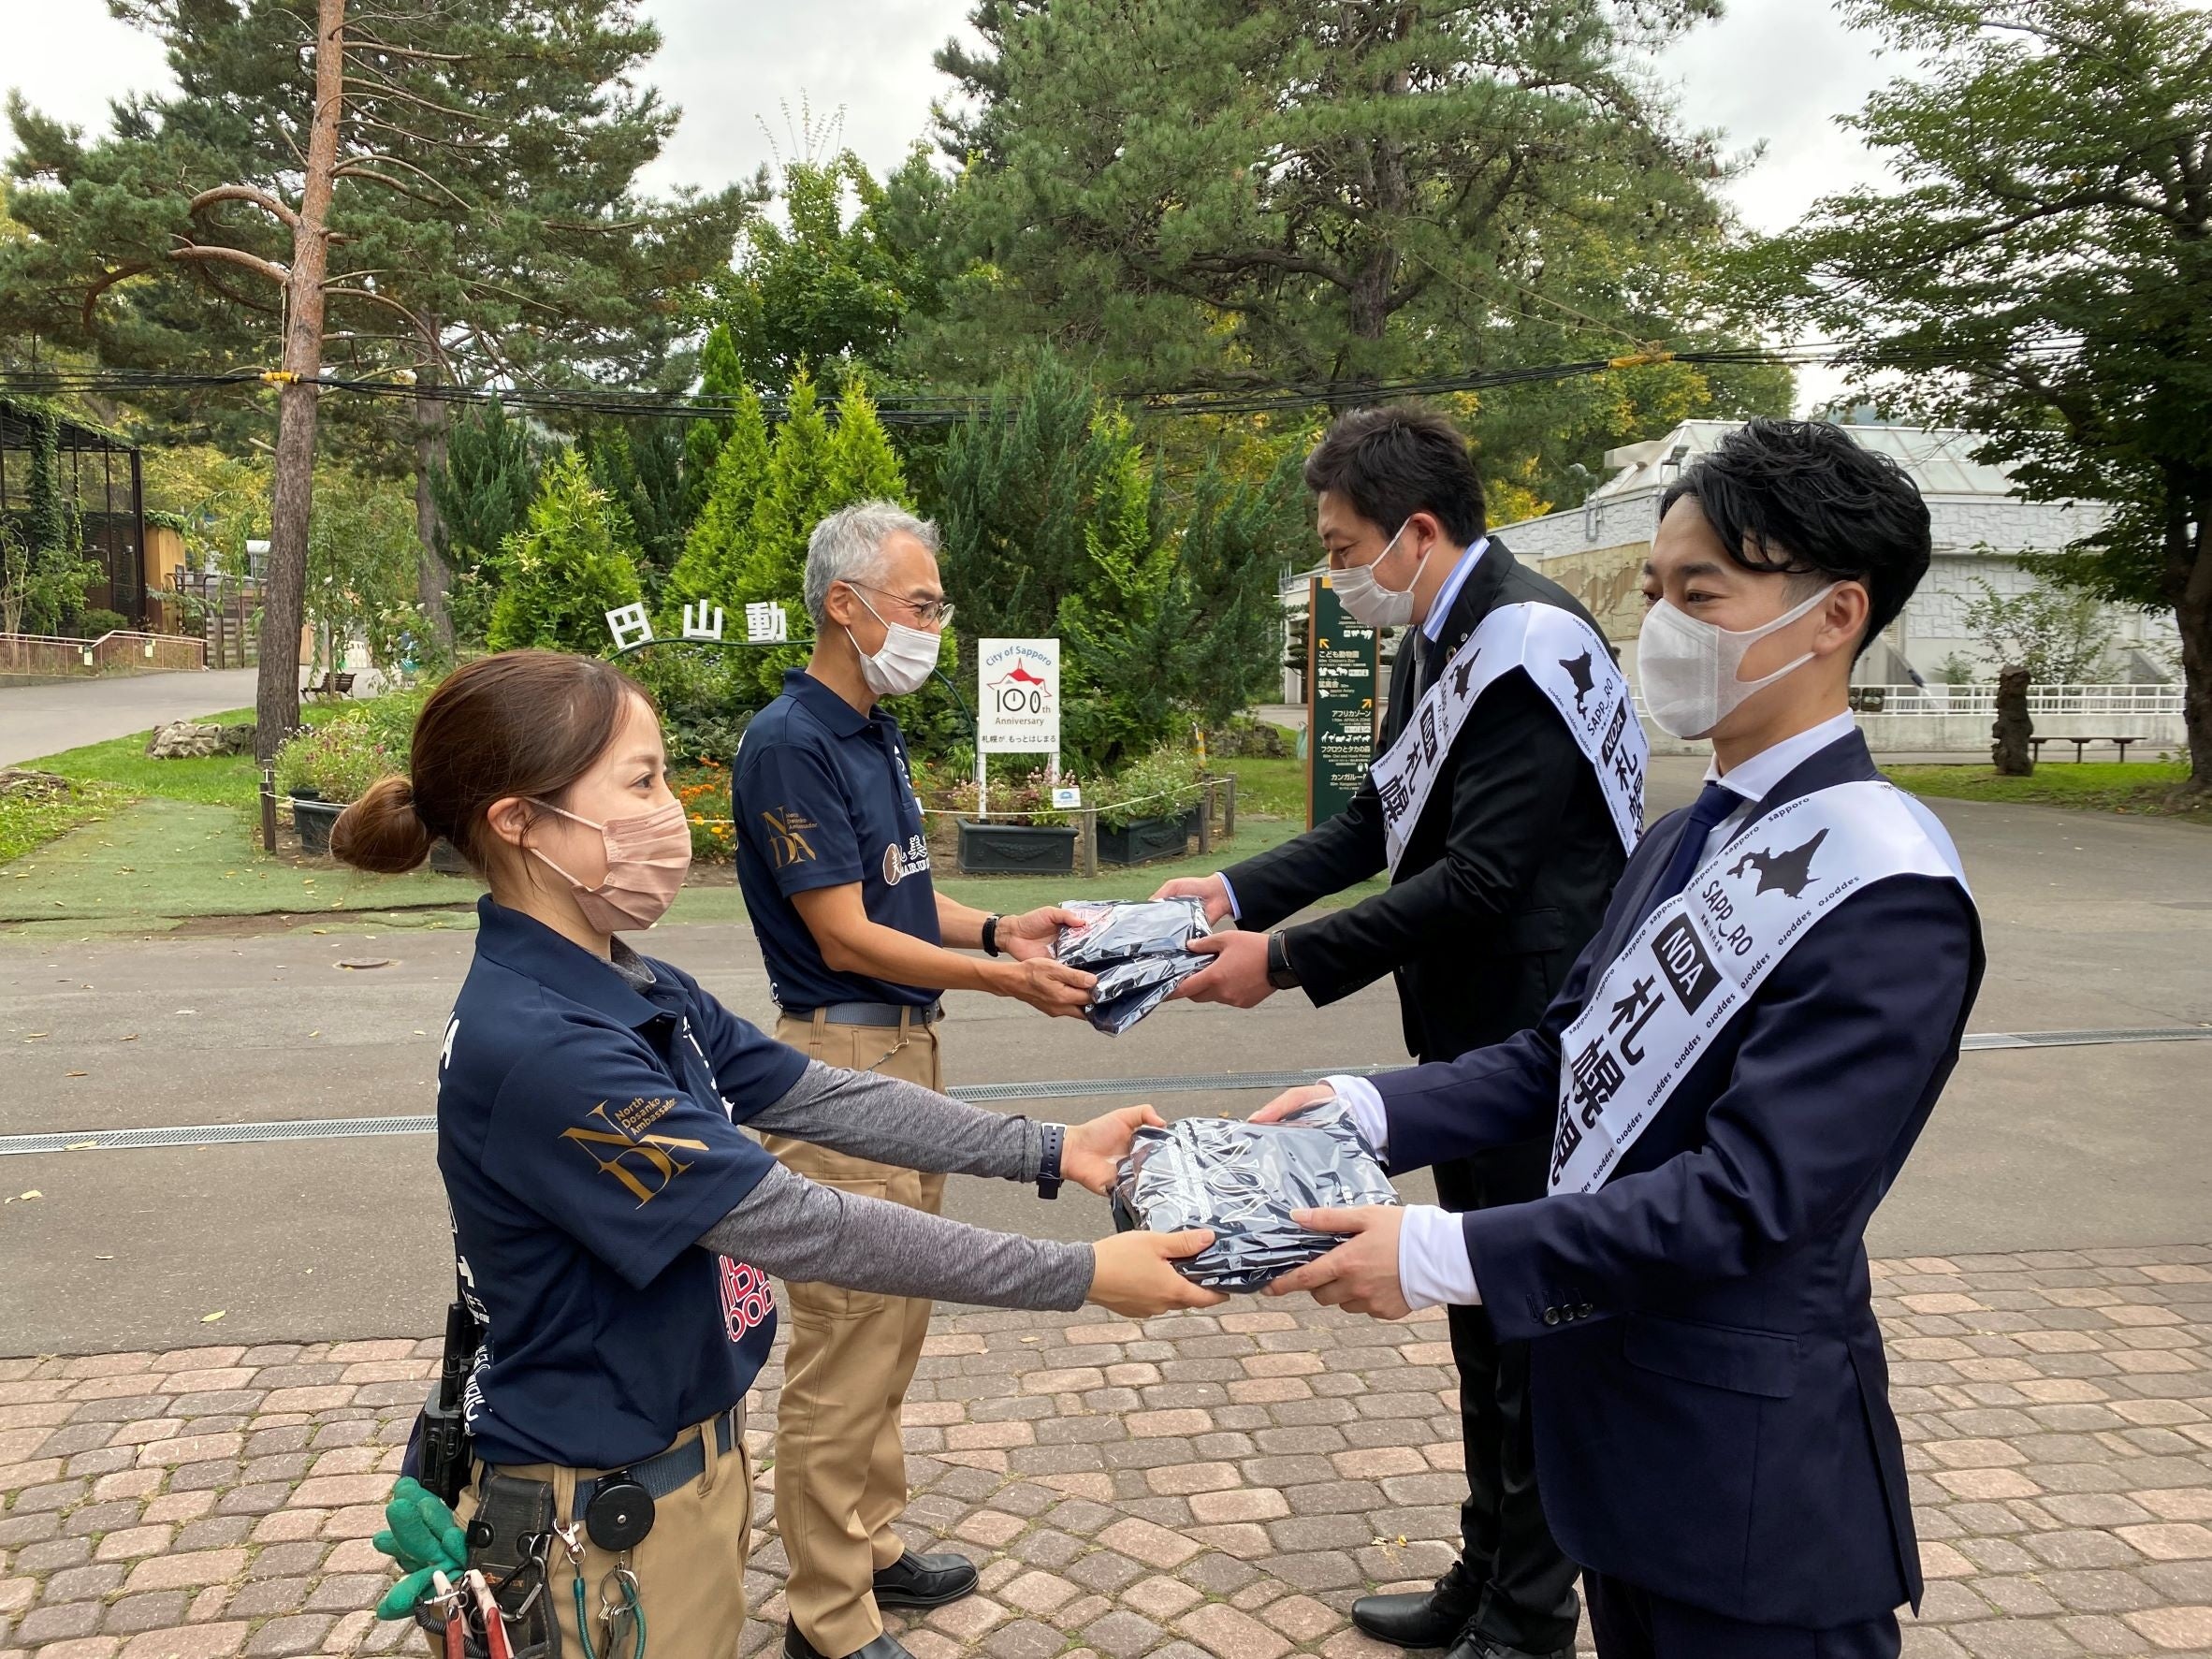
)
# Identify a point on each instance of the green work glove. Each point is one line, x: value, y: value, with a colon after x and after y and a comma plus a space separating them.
x: 422, y: 1537
x: 402, y: 1599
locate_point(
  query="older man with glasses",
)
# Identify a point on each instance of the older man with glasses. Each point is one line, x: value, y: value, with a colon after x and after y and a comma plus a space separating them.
x: 834, y: 862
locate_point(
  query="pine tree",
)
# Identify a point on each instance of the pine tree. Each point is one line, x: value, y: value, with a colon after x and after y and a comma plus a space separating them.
x: 1233, y: 546
x: 566, y: 569
x: 721, y: 534
x: 1125, y: 632
x: 862, y: 466
x: 641, y: 467
x: 721, y: 375
x: 794, y: 498
x: 474, y: 164
x: 1014, y: 490
x: 485, y: 486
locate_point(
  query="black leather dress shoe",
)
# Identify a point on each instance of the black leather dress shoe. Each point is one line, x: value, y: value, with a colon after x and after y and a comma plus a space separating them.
x: 925, y: 1580
x: 1431, y: 1618
x: 884, y: 1647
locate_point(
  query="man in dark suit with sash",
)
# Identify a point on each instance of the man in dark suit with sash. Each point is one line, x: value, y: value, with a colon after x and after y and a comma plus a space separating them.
x: 1732, y: 1078
x: 1502, y: 869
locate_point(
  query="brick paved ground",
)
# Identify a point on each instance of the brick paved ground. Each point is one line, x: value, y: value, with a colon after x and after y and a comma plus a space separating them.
x: 1198, y: 1486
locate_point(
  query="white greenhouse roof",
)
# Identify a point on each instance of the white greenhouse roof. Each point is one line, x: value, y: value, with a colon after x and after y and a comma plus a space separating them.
x: 1938, y: 460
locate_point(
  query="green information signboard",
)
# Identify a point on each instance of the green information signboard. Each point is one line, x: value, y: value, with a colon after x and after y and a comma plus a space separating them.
x: 1341, y: 658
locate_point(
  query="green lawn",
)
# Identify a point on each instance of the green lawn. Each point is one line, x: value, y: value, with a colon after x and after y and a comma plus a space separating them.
x: 228, y: 779
x: 151, y: 844
x: 28, y: 821
x: 2142, y: 787
x: 1269, y: 787
x: 157, y: 862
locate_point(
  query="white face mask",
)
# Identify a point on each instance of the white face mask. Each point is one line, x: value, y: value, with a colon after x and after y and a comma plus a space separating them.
x: 1688, y: 667
x: 1367, y: 600
x: 908, y: 657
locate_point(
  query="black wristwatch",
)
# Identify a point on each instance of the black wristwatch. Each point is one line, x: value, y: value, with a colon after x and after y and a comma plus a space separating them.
x: 1048, y: 1162
x: 1280, y: 974
x: 991, y: 934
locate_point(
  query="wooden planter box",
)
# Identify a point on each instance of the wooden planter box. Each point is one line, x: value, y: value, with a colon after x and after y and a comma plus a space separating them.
x: 1148, y: 838
x: 312, y: 817
x: 1016, y: 848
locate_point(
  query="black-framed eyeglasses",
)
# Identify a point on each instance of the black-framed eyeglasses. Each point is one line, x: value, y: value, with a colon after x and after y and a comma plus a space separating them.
x: 930, y: 613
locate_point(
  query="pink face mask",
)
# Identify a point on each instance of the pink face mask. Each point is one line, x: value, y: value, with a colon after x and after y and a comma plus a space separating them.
x: 647, y: 856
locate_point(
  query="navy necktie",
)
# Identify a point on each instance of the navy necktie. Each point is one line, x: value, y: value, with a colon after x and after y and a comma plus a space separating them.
x: 1717, y: 801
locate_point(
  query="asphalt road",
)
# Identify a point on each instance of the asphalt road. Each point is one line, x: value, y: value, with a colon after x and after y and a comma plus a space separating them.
x: 46, y: 719
x: 2092, y: 922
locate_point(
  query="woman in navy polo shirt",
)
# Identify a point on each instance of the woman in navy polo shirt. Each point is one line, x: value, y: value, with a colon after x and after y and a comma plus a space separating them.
x: 616, y: 1227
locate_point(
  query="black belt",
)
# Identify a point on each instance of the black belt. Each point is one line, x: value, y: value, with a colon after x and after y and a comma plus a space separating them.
x: 870, y: 1014
x: 670, y: 1470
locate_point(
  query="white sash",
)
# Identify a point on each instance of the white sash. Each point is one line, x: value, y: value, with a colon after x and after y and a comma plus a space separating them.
x: 1571, y: 664
x: 1700, y: 957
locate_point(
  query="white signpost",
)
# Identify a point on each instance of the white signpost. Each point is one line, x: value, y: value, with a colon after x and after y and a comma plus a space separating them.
x: 1017, y: 704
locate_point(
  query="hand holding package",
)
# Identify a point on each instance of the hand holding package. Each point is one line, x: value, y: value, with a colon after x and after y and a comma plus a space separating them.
x: 1140, y: 953
x: 1242, y: 1180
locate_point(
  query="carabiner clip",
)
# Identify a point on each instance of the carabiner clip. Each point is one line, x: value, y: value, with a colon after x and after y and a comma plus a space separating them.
x: 566, y: 1531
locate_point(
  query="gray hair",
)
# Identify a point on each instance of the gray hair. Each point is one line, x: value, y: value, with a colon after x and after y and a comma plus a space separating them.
x: 848, y: 546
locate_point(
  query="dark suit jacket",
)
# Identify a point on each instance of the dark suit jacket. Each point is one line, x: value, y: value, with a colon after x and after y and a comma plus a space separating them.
x: 1710, y: 1399
x: 1504, y: 878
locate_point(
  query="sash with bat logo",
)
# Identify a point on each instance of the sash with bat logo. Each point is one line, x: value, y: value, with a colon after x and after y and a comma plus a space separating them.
x: 1700, y: 957
x: 1571, y: 665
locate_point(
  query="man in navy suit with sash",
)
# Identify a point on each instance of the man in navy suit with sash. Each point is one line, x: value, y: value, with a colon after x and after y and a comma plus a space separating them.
x: 1733, y: 1074
x: 1503, y: 807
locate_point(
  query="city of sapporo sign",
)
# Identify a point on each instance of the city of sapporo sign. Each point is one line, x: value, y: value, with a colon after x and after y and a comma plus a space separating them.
x: 765, y: 624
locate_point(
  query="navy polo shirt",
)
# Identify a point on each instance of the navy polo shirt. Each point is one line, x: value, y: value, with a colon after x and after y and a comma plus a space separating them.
x: 587, y: 1134
x: 824, y: 798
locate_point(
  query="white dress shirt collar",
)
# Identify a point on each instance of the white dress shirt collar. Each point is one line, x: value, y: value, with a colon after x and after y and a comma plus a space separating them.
x: 1446, y: 594
x: 1753, y: 778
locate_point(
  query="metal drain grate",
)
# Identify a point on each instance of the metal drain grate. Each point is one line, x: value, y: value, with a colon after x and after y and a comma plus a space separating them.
x: 981, y: 1094
x: 1988, y: 1039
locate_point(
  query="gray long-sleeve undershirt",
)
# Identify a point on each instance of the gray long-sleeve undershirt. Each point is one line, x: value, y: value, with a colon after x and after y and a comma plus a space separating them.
x: 801, y: 1229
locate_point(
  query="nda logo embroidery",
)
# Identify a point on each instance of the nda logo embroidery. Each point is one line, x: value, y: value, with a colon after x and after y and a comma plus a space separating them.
x: 787, y: 838
x: 646, y: 1164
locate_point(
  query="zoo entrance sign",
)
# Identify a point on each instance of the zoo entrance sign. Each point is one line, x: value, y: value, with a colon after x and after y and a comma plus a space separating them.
x: 1017, y: 696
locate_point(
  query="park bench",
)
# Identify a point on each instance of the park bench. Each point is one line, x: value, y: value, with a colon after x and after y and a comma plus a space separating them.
x: 2035, y: 744
x: 332, y: 685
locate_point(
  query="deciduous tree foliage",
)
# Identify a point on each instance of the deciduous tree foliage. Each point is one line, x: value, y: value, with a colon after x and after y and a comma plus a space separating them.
x: 2044, y: 275
x: 829, y: 289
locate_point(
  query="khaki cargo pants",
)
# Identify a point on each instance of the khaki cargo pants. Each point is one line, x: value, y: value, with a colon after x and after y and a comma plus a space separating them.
x: 840, y: 1460
x: 690, y: 1568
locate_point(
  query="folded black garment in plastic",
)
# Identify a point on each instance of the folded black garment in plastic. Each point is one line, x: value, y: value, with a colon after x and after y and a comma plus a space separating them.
x: 1117, y: 931
x: 1139, y: 951
x: 1128, y: 991
x: 1242, y: 1180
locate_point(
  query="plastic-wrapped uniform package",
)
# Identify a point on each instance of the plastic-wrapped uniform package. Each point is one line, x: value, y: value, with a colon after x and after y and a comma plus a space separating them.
x: 1128, y: 991
x: 1115, y: 930
x: 1140, y: 953
x: 1242, y: 1180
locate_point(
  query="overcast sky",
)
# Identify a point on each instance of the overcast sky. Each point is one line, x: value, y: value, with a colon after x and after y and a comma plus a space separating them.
x: 1773, y: 71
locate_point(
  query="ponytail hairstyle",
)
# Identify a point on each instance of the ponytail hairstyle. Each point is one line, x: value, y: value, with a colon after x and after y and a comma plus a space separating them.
x: 520, y: 723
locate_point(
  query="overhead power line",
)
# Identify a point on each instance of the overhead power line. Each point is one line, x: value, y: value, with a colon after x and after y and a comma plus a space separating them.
x: 927, y: 410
